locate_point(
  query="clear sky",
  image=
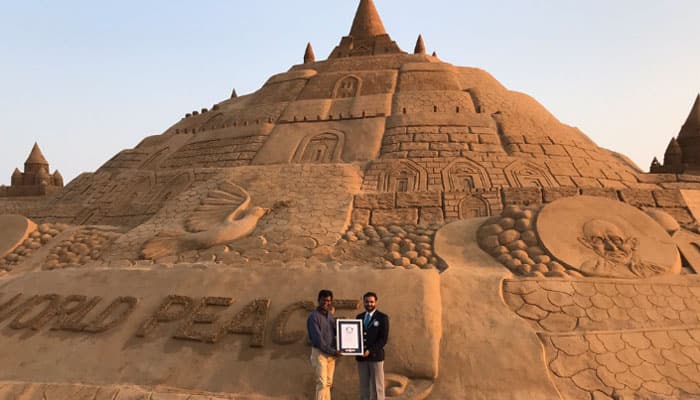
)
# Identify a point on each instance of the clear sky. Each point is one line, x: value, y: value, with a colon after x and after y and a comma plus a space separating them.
x: 88, y: 78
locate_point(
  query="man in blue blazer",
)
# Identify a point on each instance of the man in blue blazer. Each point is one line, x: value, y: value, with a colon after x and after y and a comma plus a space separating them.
x: 376, y: 334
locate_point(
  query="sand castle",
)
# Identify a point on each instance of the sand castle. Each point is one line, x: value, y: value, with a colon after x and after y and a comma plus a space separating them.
x: 516, y: 258
x: 36, y: 180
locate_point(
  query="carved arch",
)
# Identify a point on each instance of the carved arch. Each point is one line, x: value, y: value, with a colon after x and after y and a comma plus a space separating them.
x: 403, y: 176
x: 473, y: 206
x: 464, y: 175
x: 321, y: 148
x: 347, y: 86
x: 526, y: 174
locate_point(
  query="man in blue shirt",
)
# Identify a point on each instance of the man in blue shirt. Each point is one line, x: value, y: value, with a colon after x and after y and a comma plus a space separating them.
x: 321, y: 329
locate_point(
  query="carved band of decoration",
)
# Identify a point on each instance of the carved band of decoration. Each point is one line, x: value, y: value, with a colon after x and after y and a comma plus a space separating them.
x: 259, y: 311
x: 103, y: 322
x: 164, y: 314
x: 70, y: 317
x: 199, y: 315
x: 39, y: 319
x: 279, y: 335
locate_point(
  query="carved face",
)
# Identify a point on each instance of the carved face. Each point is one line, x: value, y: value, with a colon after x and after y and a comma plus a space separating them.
x: 609, y: 241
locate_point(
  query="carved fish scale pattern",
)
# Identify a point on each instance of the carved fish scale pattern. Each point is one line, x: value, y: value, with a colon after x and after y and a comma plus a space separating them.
x: 615, y: 339
x: 590, y: 304
x: 649, y: 363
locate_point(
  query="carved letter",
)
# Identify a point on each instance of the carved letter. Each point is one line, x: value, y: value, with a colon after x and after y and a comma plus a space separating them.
x: 35, y: 322
x: 70, y: 318
x: 8, y: 308
x: 200, y: 316
x: 279, y: 335
x: 258, y: 310
x: 163, y: 314
x: 103, y: 322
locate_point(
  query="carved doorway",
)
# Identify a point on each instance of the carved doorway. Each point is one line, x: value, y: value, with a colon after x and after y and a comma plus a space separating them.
x: 473, y: 207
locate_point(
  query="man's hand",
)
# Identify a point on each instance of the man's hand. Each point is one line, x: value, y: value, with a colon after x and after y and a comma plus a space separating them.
x: 366, y: 353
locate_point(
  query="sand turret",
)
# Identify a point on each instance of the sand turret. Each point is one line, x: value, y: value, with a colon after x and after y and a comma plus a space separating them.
x: 309, y: 55
x: 57, y: 178
x: 673, y: 157
x: 420, y: 46
x: 36, y: 161
x: 691, y: 128
x: 684, y: 152
x: 16, y: 177
x: 367, y: 35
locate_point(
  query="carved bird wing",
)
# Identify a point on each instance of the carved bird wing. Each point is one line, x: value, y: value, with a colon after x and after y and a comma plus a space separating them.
x: 223, y: 204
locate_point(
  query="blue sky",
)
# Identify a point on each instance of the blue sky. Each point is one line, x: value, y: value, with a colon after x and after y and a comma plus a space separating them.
x: 87, y: 79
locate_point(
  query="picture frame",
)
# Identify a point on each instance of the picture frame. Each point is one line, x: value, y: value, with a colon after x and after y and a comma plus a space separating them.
x: 350, y: 337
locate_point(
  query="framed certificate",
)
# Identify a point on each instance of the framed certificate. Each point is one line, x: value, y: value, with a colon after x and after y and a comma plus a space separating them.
x: 349, y: 337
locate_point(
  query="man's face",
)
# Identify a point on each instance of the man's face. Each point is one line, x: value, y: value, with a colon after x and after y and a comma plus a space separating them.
x: 609, y: 242
x: 370, y: 303
x: 325, y: 303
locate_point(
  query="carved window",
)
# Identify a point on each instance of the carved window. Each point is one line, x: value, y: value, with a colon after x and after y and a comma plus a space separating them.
x: 465, y: 175
x: 526, y: 174
x: 473, y: 207
x: 321, y: 149
x: 347, y: 87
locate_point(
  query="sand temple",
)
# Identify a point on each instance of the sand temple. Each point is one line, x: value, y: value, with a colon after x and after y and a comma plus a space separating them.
x: 515, y: 257
x: 36, y: 180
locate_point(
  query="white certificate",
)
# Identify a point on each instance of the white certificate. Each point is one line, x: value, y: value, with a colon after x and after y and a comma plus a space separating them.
x: 349, y: 334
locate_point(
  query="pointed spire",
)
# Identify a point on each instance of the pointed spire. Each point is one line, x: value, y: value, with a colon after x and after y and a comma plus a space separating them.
x: 309, y: 56
x: 367, y: 22
x: 692, y: 124
x: 17, y: 173
x: 234, y: 94
x: 420, y: 46
x: 435, y: 54
x: 35, y: 156
x: 673, y: 147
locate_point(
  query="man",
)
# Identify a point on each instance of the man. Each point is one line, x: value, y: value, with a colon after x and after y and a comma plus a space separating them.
x: 376, y: 334
x: 321, y: 329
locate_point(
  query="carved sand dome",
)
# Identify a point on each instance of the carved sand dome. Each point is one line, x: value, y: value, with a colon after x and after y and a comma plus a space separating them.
x: 370, y: 101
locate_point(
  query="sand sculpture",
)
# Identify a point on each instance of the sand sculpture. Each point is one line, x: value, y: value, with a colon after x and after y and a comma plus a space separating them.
x: 516, y: 258
x: 35, y: 180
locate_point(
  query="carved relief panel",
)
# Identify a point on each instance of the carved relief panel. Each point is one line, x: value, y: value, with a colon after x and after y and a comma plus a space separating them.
x: 348, y: 86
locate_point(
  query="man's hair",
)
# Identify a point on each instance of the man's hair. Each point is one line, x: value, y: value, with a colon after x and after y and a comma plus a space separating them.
x: 370, y: 294
x: 325, y: 293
